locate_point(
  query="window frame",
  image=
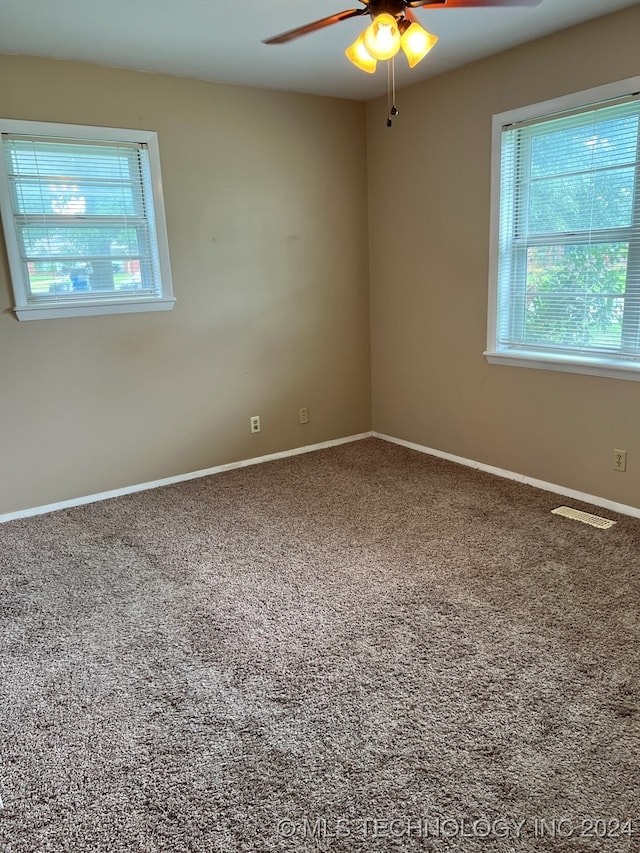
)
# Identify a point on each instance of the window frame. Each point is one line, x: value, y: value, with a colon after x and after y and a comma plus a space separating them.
x: 595, y: 365
x: 26, y: 309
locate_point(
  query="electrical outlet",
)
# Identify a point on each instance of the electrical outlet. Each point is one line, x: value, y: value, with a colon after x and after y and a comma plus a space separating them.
x: 255, y: 423
x: 304, y: 416
x: 619, y: 460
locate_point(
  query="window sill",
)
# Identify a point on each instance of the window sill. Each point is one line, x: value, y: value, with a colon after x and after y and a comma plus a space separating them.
x: 91, y: 309
x: 566, y: 364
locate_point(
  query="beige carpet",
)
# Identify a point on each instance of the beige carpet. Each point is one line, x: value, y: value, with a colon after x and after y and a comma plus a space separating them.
x: 359, y: 649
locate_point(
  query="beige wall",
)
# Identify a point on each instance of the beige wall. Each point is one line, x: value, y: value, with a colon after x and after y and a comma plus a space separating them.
x: 265, y: 196
x: 429, y: 186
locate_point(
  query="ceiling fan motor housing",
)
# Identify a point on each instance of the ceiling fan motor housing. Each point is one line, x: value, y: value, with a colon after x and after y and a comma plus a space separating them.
x: 395, y: 8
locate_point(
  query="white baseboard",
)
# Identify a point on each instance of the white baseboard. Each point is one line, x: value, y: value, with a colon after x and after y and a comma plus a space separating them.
x: 179, y: 478
x: 623, y: 509
x: 595, y: 500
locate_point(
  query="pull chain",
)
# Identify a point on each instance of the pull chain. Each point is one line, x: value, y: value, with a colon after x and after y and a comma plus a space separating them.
x: 391, y: 91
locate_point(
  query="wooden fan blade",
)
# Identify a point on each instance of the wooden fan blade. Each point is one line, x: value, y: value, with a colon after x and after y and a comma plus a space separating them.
x: 469, y: 4
x: 316, y: 25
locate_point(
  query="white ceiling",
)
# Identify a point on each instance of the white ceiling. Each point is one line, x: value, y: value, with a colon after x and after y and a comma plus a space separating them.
x: 221, y: 41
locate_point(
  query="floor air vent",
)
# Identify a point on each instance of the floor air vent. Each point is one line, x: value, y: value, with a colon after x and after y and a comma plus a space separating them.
x: 584, y: 517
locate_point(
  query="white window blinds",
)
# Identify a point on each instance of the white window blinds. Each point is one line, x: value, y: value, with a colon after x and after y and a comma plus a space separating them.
x: 83, y: 218
x: 569, y: 234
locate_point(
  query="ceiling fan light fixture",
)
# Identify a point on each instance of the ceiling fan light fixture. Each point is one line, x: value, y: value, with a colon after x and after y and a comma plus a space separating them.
x: 358, y: 54
x: 416, y: 43
x: 382, y: 37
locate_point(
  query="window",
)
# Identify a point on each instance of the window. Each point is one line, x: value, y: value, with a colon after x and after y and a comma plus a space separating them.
x: 83, y: 219
x: 565, y: 253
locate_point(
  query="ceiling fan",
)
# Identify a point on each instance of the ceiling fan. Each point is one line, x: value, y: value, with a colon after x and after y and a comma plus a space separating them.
x: 393, y: 27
